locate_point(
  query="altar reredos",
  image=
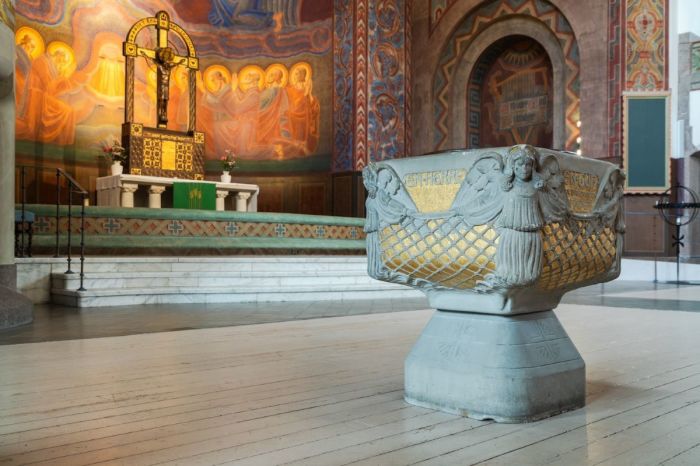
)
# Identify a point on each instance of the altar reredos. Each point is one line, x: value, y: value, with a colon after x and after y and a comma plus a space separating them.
x: 159, y: 151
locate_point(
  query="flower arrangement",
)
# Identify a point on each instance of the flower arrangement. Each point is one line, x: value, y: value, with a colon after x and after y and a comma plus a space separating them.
x: 228, y: 161
x: 114, y: 151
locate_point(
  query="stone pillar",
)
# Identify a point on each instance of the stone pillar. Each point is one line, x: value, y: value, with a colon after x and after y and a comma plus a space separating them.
x: 15, y: 309
x: 242, y: 202
x: 128, y: 191
x: 221, y: 200
x: 690, y: 163
x: 153, y: 197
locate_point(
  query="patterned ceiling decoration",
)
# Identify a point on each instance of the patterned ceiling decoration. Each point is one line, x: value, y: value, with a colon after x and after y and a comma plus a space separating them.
x: 475, y: 23
x: 645, y: 45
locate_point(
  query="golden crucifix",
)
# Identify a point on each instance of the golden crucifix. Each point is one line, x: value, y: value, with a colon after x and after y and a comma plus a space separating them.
x: 165, y: 60
x: 160, y: 151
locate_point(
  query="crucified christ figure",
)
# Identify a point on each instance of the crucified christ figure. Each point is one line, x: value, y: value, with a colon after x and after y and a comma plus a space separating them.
x: 165, y: 62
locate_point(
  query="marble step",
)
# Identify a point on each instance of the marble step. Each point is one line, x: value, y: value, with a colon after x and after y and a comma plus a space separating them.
x: 239, y: 279
x: 183, y: 295
x: 221, y: 264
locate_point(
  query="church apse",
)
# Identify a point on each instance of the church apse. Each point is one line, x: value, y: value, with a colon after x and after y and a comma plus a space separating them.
x: 263, y: 88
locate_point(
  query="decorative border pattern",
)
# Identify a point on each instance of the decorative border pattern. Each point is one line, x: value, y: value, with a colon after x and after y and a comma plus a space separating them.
x: 386, y: 74
x: 124, y: 226
x: 645, y: 45
x: 438, y: 9
x: 343, y: 85
x: 361, y: 79
x: 372, y: 82
x: 615, y: 28
x: 476, y: 22
x: 408, y: 71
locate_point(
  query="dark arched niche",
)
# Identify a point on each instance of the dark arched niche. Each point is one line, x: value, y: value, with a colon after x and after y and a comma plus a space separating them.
x: 493, y: 35
x: 510, y: 95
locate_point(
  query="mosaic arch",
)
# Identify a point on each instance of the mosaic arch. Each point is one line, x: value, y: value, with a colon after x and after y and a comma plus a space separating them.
x: 477, y: 21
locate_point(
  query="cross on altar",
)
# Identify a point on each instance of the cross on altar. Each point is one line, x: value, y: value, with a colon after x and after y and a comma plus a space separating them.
x: 159, y: 151
x: 165, y: 59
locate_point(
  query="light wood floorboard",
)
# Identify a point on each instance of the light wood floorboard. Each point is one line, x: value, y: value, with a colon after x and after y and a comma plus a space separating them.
x: 329, y: 392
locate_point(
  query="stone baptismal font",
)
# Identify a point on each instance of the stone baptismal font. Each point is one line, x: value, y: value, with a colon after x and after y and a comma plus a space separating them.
x: 494, y: 238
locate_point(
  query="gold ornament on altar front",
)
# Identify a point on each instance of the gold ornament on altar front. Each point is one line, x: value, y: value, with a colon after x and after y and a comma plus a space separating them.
x: 159, y: 151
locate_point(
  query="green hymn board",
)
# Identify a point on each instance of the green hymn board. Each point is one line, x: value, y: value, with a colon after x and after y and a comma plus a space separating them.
x: 647, y: 142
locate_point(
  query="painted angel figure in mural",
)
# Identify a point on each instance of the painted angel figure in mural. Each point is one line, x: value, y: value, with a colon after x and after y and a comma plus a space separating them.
x: 386, y: 204
x: 519, y: 196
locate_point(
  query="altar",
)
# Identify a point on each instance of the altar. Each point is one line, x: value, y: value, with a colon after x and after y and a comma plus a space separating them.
x: 122, y: 191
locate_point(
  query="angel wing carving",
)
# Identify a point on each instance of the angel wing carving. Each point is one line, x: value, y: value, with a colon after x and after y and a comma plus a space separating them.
x: 387, y: 200
x: 479, y: 199
x: 609, y: 200
x: 554, y: 202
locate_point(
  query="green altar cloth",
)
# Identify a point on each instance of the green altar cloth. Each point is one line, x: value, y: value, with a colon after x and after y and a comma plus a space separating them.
x: 193, y: 195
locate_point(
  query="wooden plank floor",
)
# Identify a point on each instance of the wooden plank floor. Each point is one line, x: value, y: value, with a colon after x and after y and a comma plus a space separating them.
x: 329, y: 391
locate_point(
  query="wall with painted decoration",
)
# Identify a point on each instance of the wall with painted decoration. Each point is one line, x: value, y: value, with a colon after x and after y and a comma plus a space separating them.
x: 264, y: 88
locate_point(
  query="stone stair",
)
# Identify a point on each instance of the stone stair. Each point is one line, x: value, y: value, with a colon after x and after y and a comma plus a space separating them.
x: 132, y: 281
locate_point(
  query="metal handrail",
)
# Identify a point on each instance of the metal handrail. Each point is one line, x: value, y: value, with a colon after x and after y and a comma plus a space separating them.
x: 73, y: 187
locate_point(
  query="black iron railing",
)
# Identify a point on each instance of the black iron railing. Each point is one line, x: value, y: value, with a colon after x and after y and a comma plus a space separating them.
x: 74, y: 189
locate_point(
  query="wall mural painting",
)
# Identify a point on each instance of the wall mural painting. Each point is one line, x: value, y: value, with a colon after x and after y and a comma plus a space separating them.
x: 7, y: 14
x: 343, y: 84
x: 380, y: 72
x: 263, y: 88
x: 268, y: 113
x: 438, y: 8
x: 645, y: 45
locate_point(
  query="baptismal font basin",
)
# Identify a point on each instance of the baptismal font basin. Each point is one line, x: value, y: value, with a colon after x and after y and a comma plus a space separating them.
x: 494, y: 238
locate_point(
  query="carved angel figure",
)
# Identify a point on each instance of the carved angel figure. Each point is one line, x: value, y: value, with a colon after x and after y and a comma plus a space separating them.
x: 609, y: 211
x: 609, y: 200
x: 382, y: 208
x: 521, y: 197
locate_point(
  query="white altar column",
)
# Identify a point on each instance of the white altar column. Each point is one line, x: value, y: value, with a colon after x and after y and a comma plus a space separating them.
x: 154, y: 193
x: 242, y: 202
x: 221, y: 199
x: 128, y: 191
